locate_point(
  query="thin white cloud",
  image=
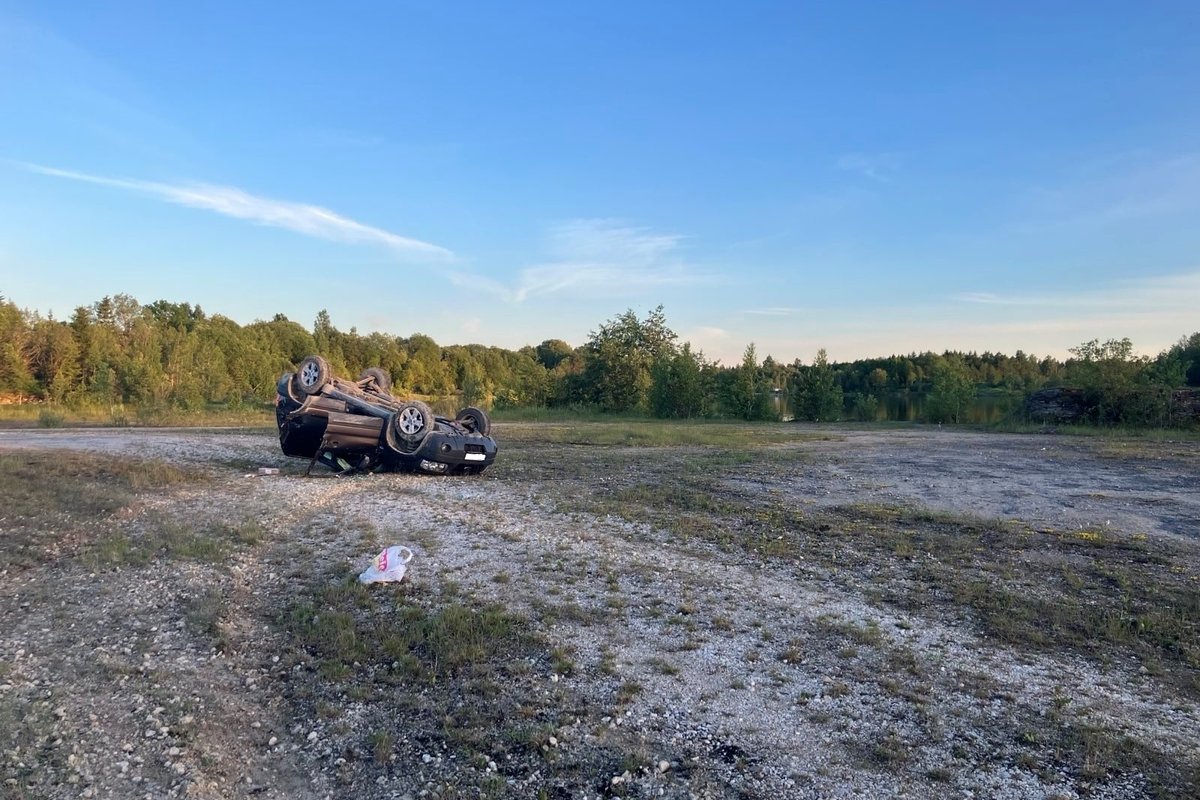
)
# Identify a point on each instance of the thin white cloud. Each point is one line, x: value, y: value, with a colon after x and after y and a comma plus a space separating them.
x: 712, y: 341
x: 876, y: 166
x: 230, y: 201
x: 1120, y: 190
x: 596, y: 257
x: 1179, y: 291
x: 775, y: 311
x: 992, y: 299
x: 605, y: 257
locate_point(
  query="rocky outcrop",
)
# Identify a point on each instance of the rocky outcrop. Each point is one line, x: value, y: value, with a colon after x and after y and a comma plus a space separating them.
x: 1059, y: 405
x: 1064, y: 405
x: 1185, y: 404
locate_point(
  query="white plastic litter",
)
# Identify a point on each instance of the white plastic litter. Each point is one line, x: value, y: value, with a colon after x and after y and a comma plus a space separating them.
x: 388, y: 567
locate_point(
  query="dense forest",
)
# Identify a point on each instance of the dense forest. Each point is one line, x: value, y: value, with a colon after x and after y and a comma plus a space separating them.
x: 117, y: 351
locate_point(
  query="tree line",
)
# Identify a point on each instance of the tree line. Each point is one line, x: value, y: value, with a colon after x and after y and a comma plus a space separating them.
x: 117, y: 350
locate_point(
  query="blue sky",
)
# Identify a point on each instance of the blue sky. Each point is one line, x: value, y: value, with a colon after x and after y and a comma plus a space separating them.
x: 872, y: 178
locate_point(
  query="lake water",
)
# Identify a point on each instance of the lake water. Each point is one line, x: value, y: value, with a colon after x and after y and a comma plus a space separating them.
x: 910, y: 407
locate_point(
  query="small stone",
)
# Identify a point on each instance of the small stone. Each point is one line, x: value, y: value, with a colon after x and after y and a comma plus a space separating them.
x: 426, y: 758
x: 312, y: 736
x: 663, y: 766
x: 492, y: 766
x: 274, y: 740
x: 180, y: 768
x: 553, y: 742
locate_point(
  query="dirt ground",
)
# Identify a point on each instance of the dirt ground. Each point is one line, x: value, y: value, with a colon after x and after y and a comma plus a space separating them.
x: 831, y: 612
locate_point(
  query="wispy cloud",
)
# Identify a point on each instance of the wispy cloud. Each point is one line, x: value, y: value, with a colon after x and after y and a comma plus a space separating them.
x: 992, y: 299
x: 1119, y: 190
x: 711, y: 340
x: 775, y: 311
x: 1180, y: 291
x: 876, y: 166
x: 598, y: 257
x: 230, y: 201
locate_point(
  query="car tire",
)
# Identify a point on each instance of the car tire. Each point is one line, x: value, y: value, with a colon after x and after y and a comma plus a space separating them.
x: 383, y: 381
x: 288, y: 387
x: 312, y: 374
x: 475, y: 419
x: 412, y: 422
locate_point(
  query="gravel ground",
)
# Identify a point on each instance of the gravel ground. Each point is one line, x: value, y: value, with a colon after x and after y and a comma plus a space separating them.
x: 696, y: 671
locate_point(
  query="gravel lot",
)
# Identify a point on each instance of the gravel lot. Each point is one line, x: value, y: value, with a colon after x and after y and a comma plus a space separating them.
x: 660, y: 660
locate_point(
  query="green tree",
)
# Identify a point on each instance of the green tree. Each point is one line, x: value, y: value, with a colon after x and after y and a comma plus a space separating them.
x: 747, y: 392
x: 15, y: 375
x: 619, y: 357
x: 1116, y: 384
x: 680, y: 385
x: 54, y: 358
x: 817, y: 396
x: 952, y: 390
x: 1179, y: 365
x: 1107, y: 367
x: 424, y: 370
x: 552, y: 352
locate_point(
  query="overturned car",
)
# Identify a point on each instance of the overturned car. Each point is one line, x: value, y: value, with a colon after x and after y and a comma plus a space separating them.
x: 353, y: 426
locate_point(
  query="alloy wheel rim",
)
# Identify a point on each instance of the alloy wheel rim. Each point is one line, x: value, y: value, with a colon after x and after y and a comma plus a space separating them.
x: 411, y: 421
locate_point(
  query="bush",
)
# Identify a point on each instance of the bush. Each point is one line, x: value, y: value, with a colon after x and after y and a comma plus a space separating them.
x: 50, y: 418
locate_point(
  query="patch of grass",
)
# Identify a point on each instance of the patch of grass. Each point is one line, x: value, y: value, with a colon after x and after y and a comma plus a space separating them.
x: 50, y: 418
x: 58, y: 503
x: 202, y: 613
x: 891, y: 750
x: 663, y: 666
x: 343, y: 625
x: 380, y: 743
x: 793, y: 653
x: 628, y: 691
x: 568, y: 610
x: 36, y: 484
x: 561, y: 661
x: 439, y: 673
x: 657, y: 433
x: 168, y: 540
x: 255, y: 417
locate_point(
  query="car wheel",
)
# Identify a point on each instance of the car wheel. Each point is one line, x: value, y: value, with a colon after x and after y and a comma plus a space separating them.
x: 412, y: 421
x: 383, y: 381
x: 313, y: 373
x: 475, y: 419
